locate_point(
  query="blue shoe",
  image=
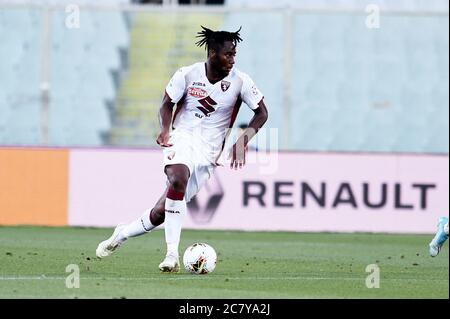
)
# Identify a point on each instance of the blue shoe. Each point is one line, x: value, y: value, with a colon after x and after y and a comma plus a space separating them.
x: 440, y: 238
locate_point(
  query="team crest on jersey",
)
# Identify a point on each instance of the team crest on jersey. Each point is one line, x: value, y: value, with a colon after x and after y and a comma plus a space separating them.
x: 225, y: 85
x: 197, y: 92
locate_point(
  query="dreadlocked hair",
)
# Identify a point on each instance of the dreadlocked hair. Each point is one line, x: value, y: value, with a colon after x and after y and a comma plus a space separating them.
x: 215, y: 39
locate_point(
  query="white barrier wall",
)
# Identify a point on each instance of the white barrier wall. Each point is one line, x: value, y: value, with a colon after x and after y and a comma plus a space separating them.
x: 285, y: 191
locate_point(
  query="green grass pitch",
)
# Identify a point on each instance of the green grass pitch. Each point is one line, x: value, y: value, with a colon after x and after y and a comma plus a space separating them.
x: 33, y: 263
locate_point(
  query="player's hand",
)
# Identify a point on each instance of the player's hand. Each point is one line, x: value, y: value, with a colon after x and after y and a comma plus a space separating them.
x: 237, y: 155
x: 163, y: 139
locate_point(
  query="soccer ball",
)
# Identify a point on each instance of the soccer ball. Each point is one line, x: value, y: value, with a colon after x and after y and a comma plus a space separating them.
x: 200, y: 258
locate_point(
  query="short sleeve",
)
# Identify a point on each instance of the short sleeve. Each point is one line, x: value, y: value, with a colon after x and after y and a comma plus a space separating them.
x: 177, y: 86
x: 250, y: 94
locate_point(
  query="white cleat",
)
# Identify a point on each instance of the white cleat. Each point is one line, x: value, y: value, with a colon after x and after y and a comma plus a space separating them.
x: 170, y: 264
x: 440, y: 238
x: 107, y: 247
x: 434, y: 249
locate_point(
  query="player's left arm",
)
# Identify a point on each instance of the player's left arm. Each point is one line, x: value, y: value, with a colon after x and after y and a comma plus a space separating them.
x: 239, y: 149
x: 258, y: 120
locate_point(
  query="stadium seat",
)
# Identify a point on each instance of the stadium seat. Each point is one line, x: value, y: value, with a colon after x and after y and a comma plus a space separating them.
x: 81, y: 80
x: 341, y: 73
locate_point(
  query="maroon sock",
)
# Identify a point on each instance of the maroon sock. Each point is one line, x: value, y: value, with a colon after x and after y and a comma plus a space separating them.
x: 174, y: 195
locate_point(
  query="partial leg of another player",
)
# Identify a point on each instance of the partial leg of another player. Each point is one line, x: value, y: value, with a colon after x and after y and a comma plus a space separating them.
x: 440, y: 237
x: 144, y: 224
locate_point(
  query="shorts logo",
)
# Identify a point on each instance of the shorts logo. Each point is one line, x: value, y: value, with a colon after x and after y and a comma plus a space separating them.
x: 197, y: 92
x: 171, y: 156
x: 225, y: 85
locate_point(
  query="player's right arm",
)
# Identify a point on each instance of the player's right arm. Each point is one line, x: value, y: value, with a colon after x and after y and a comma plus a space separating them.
x: 165, y: 119
x: 174, y: 92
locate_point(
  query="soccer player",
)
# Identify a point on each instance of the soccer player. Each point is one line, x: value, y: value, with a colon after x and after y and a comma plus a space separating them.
x: 208, y: 96
x: 440, y: 237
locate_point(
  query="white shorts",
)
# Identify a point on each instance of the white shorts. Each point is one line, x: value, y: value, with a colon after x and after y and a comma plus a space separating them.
x: 186, y: 151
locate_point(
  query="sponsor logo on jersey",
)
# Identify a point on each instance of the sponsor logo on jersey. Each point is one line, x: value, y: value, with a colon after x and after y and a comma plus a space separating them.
x: 225, y: 85
x: 208, y: 106
x: 197, y: 92
x: 198, y: 84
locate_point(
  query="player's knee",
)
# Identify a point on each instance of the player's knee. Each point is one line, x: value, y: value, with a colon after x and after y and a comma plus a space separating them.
x: 178, y: 183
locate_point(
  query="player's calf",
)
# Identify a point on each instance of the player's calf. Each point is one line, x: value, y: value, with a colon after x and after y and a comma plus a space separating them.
x: 157, y: 216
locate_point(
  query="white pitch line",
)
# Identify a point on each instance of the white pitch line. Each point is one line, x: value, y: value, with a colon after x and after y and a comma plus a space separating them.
x: 194, y: 277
